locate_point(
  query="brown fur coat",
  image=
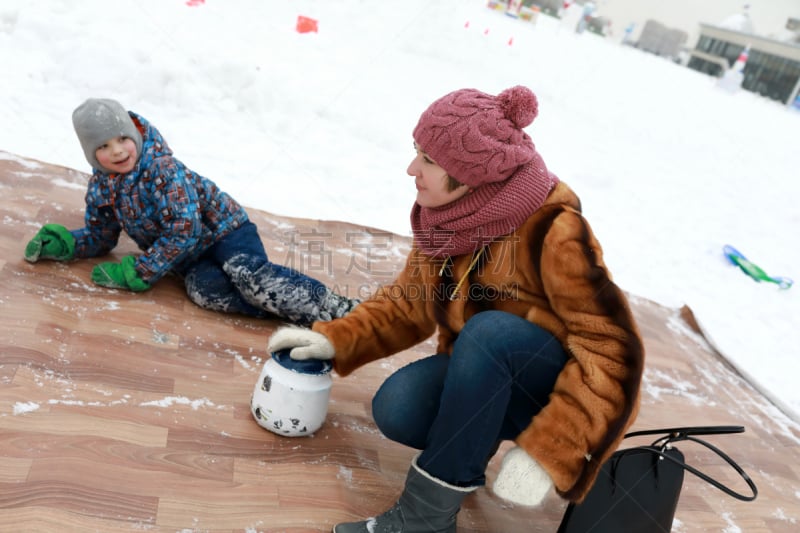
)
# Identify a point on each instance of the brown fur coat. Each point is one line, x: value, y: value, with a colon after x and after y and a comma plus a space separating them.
x: 551, y: 272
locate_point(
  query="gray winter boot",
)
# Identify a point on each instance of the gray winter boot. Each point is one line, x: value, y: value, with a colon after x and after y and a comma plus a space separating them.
x: 427, y: 505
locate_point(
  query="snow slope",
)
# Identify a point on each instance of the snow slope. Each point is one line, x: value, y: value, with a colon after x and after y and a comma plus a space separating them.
x: 669, y: 167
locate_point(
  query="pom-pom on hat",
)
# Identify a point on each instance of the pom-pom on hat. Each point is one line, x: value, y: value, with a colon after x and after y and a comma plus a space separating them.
x: 476, y: 137
x: 99, y: 119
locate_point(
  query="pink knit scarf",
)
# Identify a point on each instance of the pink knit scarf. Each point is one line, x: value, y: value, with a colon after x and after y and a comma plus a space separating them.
x: 484, y: 214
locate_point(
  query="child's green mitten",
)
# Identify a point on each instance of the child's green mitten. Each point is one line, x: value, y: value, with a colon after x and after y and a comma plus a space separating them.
x: 122, y: 275
x: 53, y: 241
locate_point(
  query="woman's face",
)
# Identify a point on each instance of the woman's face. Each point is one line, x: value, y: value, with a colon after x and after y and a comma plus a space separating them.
x: 431, y: 181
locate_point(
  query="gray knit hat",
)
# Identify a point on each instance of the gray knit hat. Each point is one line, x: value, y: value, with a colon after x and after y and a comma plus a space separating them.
x: 99, y: 119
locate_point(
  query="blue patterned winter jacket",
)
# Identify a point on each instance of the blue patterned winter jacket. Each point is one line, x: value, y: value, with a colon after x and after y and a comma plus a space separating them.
x: 172, y: 213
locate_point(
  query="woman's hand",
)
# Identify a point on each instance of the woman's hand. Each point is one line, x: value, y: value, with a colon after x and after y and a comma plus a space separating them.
x: 521, y: 479
x: 304, y: 343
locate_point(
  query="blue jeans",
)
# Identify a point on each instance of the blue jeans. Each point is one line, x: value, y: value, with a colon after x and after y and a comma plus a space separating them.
x: 209, y: 286
x: 235, y: 276
x: 458, y: 408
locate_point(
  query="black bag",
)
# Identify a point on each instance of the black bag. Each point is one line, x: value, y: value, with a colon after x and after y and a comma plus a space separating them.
x: 637, y: 489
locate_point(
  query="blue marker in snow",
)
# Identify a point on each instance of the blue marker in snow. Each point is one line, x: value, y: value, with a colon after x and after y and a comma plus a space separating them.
x: 751, y: 269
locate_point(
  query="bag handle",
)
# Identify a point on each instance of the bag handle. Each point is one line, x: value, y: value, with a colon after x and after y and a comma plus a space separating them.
x: 685, y: 433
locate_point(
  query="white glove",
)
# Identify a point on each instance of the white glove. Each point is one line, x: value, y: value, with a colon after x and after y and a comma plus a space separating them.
x: 305, y: 344
x: 521, y: 479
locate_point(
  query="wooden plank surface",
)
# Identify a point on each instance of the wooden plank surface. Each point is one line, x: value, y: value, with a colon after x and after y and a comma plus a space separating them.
x: 129, y: 412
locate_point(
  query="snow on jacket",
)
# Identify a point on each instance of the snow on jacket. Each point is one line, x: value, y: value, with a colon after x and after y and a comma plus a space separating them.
x: 551, y: 272
x: 172, y: 213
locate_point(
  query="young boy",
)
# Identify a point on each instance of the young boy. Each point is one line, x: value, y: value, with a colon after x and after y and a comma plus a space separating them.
x: 182, y: 222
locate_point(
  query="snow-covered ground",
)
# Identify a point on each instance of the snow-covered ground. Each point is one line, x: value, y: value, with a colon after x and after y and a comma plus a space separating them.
x: 669, y: 167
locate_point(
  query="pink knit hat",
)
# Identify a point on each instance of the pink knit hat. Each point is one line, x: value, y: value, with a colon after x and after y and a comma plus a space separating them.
x: 476, y: 137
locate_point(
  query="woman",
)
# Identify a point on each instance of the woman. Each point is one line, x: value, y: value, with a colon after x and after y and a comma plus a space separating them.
x: 536, y: 344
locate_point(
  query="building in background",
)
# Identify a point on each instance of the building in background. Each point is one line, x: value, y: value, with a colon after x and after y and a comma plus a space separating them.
x: 548, y: 7
x: 772, y: 61
x: 773, y: 65
x: 661, y: 40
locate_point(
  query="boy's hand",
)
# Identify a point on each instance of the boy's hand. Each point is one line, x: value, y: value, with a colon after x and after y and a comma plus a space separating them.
x: 120, y: 275
x: 53, y: 241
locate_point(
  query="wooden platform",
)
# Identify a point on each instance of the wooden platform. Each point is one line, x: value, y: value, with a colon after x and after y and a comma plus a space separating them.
x: 129, y: 412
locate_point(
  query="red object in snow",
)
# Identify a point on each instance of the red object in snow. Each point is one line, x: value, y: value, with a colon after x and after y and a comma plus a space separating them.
x: 195, y: 3
x: 306, y: 24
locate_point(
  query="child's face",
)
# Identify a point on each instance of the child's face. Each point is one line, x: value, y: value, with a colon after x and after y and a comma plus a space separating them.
x: 117, y: 155
x: 431, y: 181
